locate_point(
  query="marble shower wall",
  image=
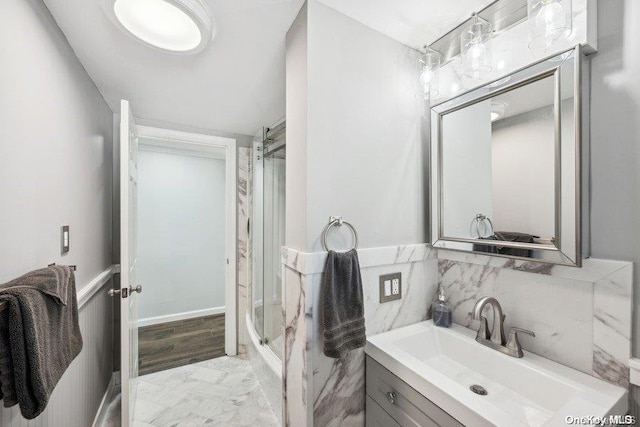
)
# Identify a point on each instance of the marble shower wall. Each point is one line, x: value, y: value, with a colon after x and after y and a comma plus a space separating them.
x: 321, y: 391
x: 581, y: 316
x: 244, y: 264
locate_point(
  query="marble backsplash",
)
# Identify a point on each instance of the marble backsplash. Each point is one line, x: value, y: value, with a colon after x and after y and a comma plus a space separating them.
x: 581, y: 316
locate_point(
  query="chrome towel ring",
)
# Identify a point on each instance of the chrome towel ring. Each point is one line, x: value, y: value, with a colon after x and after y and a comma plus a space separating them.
x: 481, y: 220
x: 337, y: 220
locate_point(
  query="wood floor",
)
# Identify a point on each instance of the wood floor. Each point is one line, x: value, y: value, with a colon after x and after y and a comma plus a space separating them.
x: 173, y: 344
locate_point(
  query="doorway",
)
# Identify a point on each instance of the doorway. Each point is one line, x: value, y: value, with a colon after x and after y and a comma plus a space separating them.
x: 186, y: 247
x: 181, y: 254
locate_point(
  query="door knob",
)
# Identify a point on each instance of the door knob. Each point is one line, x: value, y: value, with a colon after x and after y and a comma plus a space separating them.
x: 114, y: 292
x: 137, y: 289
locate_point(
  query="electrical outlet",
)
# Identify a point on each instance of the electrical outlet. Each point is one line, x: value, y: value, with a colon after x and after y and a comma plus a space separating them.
x: 390, y: 287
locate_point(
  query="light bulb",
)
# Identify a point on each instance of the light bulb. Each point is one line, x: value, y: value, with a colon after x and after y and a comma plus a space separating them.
x: 429, y: 63
x: 549, y: 22
x: 475, y: 48
x: 475, y: 55
x: 549, y: 19
x: 426, y: 77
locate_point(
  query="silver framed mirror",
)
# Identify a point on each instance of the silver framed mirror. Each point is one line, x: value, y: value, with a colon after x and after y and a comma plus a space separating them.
x: 508, y: 163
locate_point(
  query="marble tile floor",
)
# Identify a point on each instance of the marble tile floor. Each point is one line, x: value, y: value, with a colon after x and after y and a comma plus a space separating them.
x: 216, y: 392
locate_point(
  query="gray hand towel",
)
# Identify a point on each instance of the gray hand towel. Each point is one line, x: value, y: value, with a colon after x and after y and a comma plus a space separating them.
x: 343, y: 304
x: 39, y: 336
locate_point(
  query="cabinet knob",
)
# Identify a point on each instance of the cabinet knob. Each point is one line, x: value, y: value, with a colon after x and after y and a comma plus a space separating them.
x: 391, y: 396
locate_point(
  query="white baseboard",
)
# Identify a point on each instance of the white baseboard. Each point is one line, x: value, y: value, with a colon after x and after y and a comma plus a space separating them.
x: 180, y: 316
x: 104, y: 405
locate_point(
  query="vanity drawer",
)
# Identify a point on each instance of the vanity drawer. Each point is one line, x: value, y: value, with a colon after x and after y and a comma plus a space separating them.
x: 406, y: 406
x: 377, y: 417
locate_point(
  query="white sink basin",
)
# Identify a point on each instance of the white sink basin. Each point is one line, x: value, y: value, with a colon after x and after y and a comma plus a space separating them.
x: 443, y: 363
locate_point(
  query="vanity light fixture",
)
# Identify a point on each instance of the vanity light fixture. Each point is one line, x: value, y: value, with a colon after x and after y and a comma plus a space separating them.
x: 550, y: 21
x: 428, y: 64
x: 475, y: 47
x: 177, y: 26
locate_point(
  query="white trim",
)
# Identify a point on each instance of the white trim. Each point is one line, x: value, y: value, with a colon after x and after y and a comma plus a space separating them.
x: 176, y: 136
x: 634, y: 371
x: 314, y: 262
x: 148, y: 321
x: 172, y: 139
x: 89, y: 290
x: 109, y: 394
x: 150, y: 145
x: 268, y: 355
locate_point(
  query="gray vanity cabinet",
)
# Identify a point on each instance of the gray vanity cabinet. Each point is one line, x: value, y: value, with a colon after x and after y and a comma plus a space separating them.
x: 393, y: 403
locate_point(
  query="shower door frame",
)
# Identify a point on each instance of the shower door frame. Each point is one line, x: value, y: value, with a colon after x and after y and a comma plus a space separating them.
x: 258, y: 232
x: 185, y: 142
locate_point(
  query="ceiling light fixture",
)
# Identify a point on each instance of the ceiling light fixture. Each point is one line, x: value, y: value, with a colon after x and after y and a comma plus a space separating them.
x: 550, y: 22
x: 428, y: 64
x: 178, y: 26
x: 497, y: 110
x: 475, y: 48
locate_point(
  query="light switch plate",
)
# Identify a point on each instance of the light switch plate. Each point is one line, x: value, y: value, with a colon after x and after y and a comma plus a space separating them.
x: 388, y: 284
x: 65, y: 239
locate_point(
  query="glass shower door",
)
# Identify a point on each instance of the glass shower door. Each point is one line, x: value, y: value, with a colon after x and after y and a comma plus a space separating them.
x: 268, y: 237
x: 274, y: 239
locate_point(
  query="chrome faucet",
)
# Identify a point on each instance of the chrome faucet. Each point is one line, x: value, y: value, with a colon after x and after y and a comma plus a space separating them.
x: 495, y: 338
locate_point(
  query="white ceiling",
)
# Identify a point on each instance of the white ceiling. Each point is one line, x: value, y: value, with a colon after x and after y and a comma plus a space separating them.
x: 411, y: 22
x: 236, y: 85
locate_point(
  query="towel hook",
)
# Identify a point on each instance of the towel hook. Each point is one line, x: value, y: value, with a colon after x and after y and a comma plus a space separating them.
x: 337, y: 220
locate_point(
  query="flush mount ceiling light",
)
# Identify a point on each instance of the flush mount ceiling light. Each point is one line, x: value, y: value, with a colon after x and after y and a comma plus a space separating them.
x: 497, y: 110
x: 178, y: 26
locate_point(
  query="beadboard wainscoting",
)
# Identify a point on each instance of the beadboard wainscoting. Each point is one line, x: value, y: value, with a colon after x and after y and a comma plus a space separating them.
x: 78, y: 396
x: 581, y: 316
x: 324, y: 391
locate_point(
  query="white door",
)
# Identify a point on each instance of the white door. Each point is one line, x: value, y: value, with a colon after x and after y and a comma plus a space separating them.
x: 130, y: 290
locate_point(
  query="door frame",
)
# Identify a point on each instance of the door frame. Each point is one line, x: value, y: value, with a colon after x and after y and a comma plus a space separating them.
x: 185, y: 142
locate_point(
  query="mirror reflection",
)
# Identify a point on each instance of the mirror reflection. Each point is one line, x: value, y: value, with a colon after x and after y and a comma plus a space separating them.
x: 506, y: 146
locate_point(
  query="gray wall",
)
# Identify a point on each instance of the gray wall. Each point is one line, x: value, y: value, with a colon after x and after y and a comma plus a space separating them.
x: 55, y: 149
x: 615, y: 145
x: 361, y: 133
x: 296, y: 161
x: 55, y: 169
